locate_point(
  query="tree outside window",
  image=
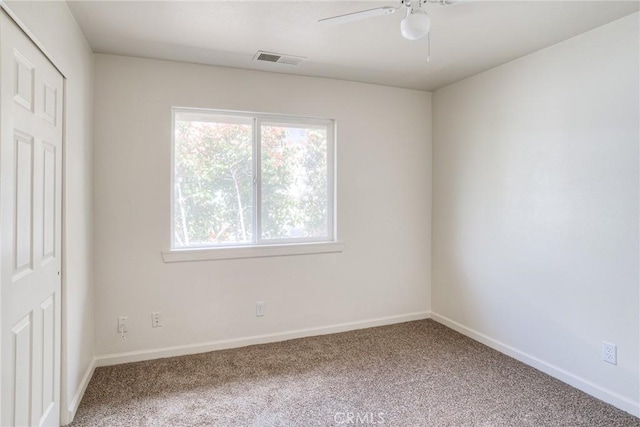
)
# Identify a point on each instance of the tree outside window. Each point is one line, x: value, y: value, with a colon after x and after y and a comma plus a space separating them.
x: 251, y: 179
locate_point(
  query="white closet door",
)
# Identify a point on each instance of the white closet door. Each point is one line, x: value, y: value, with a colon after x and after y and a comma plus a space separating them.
x: 31, y: 96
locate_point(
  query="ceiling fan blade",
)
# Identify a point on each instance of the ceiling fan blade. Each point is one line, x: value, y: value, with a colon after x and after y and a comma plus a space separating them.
x: 450, y: 2
x: 356, y: 16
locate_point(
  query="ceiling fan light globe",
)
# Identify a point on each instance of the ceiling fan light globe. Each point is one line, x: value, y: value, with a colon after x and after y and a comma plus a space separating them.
x: 415, y: 26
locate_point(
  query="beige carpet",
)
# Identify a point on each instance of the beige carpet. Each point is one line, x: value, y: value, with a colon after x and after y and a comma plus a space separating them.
x: 411, y: 374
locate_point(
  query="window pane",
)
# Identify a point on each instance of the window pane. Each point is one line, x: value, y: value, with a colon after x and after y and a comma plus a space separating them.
x: 294, y: 181
x: 213, y: 201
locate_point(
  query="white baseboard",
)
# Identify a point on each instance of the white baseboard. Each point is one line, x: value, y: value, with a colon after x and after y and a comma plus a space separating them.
x: 77, y: 398
x: 573, y: 380
x: 137, y: 356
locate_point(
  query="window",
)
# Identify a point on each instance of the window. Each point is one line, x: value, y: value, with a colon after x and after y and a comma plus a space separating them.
x: 243, y: 179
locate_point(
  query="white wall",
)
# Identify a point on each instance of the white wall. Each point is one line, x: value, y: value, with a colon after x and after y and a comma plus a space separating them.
x: 384, y: 172
x: 55, y: 29
x: 536, y: 209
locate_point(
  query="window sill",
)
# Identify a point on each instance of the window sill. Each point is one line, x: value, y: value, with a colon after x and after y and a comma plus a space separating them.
x: 186, y: 255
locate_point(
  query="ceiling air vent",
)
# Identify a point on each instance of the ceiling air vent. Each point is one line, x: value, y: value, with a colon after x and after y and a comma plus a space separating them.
x: 278, y: 58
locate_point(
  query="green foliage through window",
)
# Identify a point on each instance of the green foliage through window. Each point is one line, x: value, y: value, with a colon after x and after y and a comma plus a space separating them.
x: 242, y: 179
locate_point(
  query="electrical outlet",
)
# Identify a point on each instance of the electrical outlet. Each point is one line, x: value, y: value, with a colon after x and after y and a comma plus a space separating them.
x: 122, y: 325
x: 155, y: 320
x: 609, y: 353
x: 260, y: 308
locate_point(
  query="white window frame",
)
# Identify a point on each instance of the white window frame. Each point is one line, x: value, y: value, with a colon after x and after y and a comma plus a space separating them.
x: 261, y: 247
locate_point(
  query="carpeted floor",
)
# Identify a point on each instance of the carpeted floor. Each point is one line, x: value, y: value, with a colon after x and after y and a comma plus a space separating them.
x: 411, y: 374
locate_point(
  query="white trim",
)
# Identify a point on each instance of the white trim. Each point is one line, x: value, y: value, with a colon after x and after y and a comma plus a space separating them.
x: 254, y: 251
x: 172, y: 185
x: 257, y: 120
x: 573, y: 380
x: 137, y: 356
x: 77, y: 398
x: 284, y: 117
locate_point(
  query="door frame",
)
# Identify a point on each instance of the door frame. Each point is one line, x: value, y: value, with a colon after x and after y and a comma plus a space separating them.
x: 64, y: 404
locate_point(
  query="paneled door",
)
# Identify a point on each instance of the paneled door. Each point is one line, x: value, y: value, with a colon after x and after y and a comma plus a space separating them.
x: 31, y: 96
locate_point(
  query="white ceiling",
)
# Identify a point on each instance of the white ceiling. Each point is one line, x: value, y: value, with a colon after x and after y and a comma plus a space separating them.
x: 467, y: 38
